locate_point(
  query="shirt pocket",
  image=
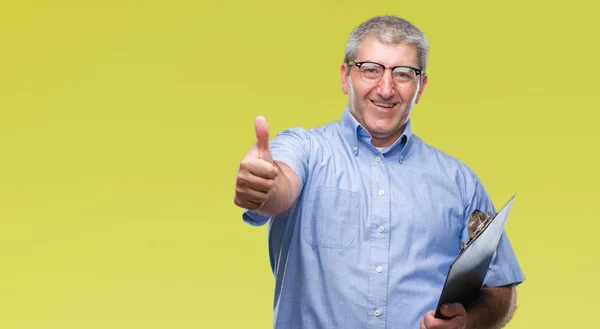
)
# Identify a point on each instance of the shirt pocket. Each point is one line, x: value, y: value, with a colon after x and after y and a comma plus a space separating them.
x: 330, y: 217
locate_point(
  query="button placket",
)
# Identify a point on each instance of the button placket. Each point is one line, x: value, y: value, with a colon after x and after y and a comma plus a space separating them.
x: 379, y: 251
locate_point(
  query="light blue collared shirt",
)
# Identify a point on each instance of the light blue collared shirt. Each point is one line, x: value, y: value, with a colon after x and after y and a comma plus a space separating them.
x: 369, y: 243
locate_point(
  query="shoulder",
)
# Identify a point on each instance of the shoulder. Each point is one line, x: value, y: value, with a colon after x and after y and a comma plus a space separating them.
x: 436, y: 157
x: 438, y: 162
x: 309, y: 137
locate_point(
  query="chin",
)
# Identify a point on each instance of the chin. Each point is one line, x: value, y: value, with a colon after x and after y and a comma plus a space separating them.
x: 383, y: 124
x: 381, y: 129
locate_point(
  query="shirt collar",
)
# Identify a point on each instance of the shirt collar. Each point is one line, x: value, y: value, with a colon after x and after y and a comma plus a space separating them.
x: 353, y: 132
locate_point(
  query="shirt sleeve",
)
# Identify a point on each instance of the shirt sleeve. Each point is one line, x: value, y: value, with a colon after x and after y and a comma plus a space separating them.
x: 291, y: 147
x: 504, y: 268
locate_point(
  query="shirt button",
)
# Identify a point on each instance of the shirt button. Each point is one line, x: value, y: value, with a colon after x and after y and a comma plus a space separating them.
x: 377, y: 159
x: 379, y: 269
x: 381, y: 192
x: 377, y: 312
x: 401, y: 156
x: 355, y: 148
x: 380, y: 229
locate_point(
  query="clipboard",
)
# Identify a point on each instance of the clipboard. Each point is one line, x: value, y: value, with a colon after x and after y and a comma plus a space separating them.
x: 467, y: 272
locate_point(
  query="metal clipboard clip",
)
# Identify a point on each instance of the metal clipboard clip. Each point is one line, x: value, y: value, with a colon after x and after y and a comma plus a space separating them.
x: 478, y: 221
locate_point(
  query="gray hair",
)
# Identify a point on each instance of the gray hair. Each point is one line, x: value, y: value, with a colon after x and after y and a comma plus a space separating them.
x: 390, y: 30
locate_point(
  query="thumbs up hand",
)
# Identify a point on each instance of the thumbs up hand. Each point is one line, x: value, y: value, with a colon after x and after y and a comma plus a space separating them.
x: 256, y: 173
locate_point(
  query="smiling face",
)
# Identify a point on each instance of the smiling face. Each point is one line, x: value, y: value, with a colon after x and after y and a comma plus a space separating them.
x: 383, y: 108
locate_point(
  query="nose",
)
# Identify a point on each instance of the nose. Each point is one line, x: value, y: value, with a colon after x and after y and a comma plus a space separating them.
x: 385, y: 87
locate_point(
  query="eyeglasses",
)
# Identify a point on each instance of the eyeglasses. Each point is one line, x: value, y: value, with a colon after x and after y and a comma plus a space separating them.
x: 372, y: 72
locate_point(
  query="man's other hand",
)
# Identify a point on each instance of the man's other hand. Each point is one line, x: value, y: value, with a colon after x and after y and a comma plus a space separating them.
x: 456, y: 314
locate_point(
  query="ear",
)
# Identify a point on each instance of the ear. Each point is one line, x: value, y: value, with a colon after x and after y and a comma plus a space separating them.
x: 422, y: 87
x: 344, y: 78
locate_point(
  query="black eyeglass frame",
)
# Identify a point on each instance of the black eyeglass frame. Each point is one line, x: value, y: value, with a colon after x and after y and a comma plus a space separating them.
x: 392, y: 68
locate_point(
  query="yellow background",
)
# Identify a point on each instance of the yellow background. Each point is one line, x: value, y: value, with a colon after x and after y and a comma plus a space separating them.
x: 122, y: 124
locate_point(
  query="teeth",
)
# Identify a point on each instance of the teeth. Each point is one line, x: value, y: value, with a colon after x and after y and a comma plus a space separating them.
x: 384, y: 104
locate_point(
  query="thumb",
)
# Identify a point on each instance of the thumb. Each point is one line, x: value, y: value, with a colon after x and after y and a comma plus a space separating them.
x: 452, y: 310
x: 261, y: 128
